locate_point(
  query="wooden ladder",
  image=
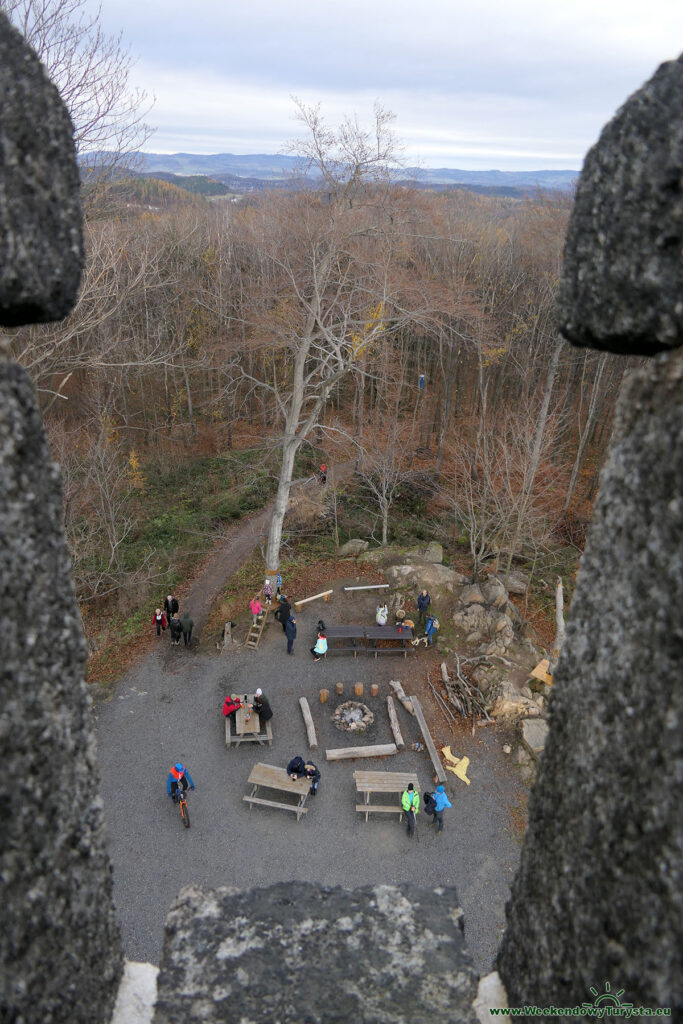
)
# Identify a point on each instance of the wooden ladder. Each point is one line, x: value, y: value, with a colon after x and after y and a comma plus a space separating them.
x: 256, y: 631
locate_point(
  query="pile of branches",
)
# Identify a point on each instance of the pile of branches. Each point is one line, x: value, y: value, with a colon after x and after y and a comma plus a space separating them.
x: 463, y: 695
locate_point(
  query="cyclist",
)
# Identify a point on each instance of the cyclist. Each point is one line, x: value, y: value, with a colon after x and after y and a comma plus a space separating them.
x: 178, y: 777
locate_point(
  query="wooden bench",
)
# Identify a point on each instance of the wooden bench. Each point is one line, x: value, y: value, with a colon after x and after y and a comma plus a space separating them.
x: 253, y: 735
x: 269, y: 776
x: 382, y: 782
x: 276, y: 803
x: 367, y: 809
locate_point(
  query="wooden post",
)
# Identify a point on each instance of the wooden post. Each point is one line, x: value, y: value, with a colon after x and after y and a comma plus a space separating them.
x: 374, y: 689
x: 358, y: 689
x: 429, y: 742
x: 339, y: 689
x: 308, y: 719
x: 324, y: 696
x: 395, y: 728
x: 379, y: 750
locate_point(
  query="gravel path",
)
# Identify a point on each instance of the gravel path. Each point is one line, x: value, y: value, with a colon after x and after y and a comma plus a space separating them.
x: 168, y: 708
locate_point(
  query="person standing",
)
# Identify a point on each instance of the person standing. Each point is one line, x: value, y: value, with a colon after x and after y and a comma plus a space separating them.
x: 290, y: 632
x: 283, y: 612
x: 268, y: 592
x: 431, y: 627
x: 159, y: 620
x: 187, y: 624
x: 423, y: 602
x: 382, y: 615
x: 410, y: 801
x: 168, y: 607
x: 255, y: 608
x: 176, y: 630
x: 278, y: 582
x: 441, y: 802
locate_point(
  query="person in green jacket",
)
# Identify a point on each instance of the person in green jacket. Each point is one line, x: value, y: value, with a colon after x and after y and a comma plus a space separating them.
x: 410, y: 801
x: 186, y: 624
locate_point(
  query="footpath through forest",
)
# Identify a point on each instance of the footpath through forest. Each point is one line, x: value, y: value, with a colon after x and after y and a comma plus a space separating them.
x: 168, y: 708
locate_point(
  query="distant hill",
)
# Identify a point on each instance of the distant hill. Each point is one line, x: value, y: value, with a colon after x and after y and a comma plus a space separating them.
x: 199, y: 184
x: 265, y: 170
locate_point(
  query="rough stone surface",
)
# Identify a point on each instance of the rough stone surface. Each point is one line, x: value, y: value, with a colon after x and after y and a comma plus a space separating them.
x: 471, y: 595
x: 41, y: 244
x: 622, y: 282
x: 598, y: 896
x: 517, y: 582
x: 60, y: 958
x: 534, y: 735
x: 304, y: 954
x: 354, y: 546
x: 433, y: 577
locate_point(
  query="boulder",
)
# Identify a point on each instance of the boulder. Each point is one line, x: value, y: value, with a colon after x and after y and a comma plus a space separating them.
x: 534, y: 735
x: 471, y: 617
x: 494, y: 592
x: 433, y: 552
x: 353, y: 547
x: 510, y: 703
x: 299, y: 952
x: 622, y: 278
x: 433, y: 578
x: 517, y: 582
x: 41, y: 238
x: 471, y: 594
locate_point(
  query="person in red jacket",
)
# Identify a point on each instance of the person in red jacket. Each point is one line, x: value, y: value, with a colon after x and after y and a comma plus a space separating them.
x: 160, y: 620
x: 231, y: 705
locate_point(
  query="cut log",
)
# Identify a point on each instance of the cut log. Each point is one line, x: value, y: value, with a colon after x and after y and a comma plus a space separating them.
x: 358, y: 689
x: 339, y: 689
x: 374, y: 689
x: 395, y: 728
x: 401, y: 694
x: 324, y: 696
x: 429, y: 742
x: 379, y: 750
x: 325, y: 594
x: 308, y: 719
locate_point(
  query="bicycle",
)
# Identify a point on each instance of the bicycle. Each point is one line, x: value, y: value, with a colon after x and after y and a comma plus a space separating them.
x: 180, y: 798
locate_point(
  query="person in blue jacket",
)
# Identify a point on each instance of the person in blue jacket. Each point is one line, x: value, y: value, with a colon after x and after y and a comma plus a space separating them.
x: 431, y: 628
x: 441, y: 802
x: 178, y: 777
x: 423, y: 602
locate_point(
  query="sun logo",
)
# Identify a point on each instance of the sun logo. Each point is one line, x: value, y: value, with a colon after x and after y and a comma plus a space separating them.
x: 607, y: 998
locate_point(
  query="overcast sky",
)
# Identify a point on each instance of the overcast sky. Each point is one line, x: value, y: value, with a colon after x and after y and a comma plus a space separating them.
x: 508, y: 84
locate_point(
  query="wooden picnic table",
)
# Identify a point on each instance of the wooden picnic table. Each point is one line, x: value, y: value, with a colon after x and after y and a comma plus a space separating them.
x: 349, y: 633
x: 403, y: 634
x: 269, y: 776
x: 382, y: 782
x: 247, y: 729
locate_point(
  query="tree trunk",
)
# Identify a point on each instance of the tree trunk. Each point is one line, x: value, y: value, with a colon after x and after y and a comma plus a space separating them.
x: 289, y: 449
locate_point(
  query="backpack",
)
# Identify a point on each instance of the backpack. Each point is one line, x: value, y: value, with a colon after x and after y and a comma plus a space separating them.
x: 429, y: 803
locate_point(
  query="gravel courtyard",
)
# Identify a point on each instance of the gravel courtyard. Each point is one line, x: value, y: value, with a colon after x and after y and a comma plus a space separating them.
x: 168, y: 708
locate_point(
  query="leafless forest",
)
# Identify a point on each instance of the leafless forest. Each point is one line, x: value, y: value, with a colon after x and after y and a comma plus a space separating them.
x: 219, y: 350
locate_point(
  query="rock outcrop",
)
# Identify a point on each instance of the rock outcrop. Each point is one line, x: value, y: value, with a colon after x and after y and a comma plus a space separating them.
x: 60, y: 956
x: 598, y: 900
x: 41, y: 242
x: 299, y: 952
x: 622, y: 278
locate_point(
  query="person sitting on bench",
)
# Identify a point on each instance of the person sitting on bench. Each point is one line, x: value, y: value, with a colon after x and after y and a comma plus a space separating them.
x: 296, y: 767
x: 312, y: 773
x: 262, y: 707
x: 231, y: 705
x: 320, y: 647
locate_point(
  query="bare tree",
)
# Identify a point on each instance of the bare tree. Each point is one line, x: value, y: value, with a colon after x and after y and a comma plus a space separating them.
x: 91, y: 71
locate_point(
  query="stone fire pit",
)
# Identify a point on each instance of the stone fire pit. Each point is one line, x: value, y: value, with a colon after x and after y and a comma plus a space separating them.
x: 352, y: 716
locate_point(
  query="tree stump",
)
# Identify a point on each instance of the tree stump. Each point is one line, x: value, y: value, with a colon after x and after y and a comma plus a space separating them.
x: 339, y: 689
x: 324, y: 696
x: 374, y: 689
x: 358, y: 689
